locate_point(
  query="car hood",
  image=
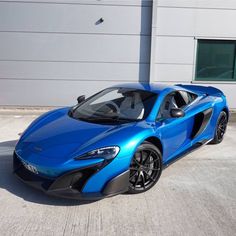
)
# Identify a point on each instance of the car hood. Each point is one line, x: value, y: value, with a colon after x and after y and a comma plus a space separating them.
x: 58, y: 136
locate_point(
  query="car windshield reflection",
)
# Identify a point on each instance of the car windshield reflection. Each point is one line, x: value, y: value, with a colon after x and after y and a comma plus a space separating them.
x: 115, y: 105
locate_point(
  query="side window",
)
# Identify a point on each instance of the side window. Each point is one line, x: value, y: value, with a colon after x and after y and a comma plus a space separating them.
x: 186, y: 98
x: 177, y: 99
x: 192, y: 97
x: 166, y: 106
x: 181, y: 99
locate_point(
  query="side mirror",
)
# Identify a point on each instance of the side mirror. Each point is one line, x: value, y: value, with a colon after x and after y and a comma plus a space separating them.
x: 80, y: 99
x: 177, y: 113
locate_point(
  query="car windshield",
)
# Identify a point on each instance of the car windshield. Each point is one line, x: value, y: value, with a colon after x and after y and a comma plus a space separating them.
x: 115, y: 105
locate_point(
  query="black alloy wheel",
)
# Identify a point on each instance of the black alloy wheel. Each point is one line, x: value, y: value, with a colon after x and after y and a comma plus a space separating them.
x: 145, y: 168
x: 220, y: 128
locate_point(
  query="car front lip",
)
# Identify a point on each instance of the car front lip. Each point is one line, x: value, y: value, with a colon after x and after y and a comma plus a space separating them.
x: 71, y: 184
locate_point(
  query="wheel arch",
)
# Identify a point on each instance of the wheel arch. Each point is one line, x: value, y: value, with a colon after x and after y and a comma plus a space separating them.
x: 156, y: 142
x: 226, y: 110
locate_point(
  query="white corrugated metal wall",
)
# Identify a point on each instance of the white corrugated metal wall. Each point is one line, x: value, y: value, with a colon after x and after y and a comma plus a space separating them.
x: 53, y: 51
x: 179, y: 24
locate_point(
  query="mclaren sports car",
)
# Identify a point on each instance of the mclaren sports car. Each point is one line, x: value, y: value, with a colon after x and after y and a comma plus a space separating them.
x: 118, y: 140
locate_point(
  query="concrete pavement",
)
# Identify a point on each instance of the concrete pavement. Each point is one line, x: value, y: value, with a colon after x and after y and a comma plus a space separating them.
x: 194, y: 196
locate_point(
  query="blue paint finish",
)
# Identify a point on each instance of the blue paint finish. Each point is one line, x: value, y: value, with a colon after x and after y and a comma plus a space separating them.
x: 53, y: 140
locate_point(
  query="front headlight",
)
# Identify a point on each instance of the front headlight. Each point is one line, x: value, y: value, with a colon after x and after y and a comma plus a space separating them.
x: 105, y: 153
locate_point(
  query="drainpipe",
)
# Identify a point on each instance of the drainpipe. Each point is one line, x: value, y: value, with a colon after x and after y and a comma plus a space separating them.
x: 152, y: 74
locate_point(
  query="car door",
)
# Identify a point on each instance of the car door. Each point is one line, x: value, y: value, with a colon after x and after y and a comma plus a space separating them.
x: 175, y: 132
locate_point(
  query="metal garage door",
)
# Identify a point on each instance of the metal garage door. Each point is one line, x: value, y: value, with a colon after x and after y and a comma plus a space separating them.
x: 52, y: 51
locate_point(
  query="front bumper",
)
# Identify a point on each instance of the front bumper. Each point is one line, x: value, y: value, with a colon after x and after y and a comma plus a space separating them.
x: 71, y: 184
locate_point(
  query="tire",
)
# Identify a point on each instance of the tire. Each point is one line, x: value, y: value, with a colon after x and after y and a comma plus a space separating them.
x: 145, y: 168
x: 220, y: 129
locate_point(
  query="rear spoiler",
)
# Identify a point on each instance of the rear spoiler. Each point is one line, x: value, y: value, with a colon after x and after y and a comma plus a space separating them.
x: 208, y: 90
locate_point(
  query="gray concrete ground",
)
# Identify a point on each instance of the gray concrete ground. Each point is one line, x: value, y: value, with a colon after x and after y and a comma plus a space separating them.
x: 194, y: 196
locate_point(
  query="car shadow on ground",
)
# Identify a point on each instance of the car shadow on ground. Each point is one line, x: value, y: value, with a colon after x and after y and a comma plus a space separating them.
x: 9, y: 181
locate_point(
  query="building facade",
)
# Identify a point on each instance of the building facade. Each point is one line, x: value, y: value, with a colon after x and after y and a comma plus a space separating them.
x: 51, y: 51
x: 195, y: 43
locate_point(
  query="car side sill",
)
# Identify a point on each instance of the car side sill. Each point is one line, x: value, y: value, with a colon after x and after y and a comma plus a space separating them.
x: 186, y: 152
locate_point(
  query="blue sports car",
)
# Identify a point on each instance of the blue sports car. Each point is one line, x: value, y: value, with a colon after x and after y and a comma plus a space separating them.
x: 118, y: 140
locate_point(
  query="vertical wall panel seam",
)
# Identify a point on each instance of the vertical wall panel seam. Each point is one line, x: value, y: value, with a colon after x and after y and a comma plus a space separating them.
x: 152, y: 74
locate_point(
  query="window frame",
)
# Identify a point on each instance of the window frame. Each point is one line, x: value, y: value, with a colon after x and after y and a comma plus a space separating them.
x: 213, y: 80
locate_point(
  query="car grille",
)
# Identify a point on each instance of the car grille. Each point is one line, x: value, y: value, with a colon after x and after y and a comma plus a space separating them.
x: 75, y: 179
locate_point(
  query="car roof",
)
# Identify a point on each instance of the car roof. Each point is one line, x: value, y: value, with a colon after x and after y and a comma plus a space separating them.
x: 155, y: 88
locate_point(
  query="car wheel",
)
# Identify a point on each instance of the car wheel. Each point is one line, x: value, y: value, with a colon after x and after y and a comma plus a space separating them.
x: 221, y: 126
x: 145, y: 168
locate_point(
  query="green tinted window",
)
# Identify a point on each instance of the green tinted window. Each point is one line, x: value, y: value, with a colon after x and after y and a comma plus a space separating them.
x: 216, y: 60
